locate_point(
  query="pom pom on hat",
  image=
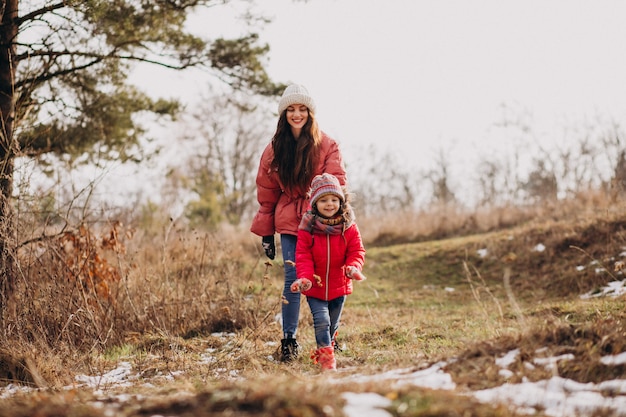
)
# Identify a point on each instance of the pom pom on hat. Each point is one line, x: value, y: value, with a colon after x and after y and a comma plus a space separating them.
x: 295, y: 94
x: 325, y: 184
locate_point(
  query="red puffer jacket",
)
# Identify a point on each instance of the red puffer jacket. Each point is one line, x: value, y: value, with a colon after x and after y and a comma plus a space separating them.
x: 326, y: 256
x: 281, y: 211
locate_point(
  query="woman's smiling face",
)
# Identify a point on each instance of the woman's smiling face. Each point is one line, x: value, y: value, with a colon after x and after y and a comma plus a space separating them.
x: 297, y: 116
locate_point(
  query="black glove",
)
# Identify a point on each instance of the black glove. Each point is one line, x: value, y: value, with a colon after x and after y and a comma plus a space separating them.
x: 269, y: 247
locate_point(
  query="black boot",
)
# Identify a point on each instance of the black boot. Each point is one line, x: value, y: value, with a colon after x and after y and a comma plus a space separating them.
x: 288, y: 349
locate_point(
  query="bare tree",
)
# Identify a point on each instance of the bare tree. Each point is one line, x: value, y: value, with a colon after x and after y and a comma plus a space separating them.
x: 379, y: 183
x: 618, y: 181
x: 230, y: 132
x: 614, y: 147
x: 489, y: 178
x: 542, y: 184
x: 439, y: 177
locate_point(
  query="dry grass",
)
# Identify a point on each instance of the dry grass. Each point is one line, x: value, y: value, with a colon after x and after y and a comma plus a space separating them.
x: 187, y: 285
x: 162, y: 301
x: 449, y: 221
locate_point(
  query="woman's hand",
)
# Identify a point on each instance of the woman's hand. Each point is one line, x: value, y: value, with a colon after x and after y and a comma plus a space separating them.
x: 269, y: 247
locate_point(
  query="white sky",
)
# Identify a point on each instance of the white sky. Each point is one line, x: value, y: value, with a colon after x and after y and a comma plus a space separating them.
x: 412, y: 75
x: 415, y: 76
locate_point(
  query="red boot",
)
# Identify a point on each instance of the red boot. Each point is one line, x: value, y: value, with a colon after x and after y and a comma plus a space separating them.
x: 326, y: 358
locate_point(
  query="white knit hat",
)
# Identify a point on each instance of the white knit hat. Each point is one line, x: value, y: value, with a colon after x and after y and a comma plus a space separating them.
x: 296, y: 94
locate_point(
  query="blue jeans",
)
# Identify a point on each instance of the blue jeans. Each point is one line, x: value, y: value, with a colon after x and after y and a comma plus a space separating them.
x: 326, y: 315
x: 291, y: 311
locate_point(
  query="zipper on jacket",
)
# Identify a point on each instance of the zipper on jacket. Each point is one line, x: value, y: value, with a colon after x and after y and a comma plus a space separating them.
x: 327, y: 263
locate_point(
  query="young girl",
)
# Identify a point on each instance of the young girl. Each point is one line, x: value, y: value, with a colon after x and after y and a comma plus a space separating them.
x: 298, y: 151
x: 329, y: 254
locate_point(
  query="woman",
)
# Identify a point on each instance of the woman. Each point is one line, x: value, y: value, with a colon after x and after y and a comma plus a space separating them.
x: 298, y: 152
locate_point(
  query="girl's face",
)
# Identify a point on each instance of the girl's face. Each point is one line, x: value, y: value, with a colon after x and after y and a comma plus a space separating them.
x: 328, y: 205
x: 297, y: 116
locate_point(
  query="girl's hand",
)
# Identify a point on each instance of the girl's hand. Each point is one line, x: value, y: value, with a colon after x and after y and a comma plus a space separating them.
x: 353, y: 272
x: 301, y: 284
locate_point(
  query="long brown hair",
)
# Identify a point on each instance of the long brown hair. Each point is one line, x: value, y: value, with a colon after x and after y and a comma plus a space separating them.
x: 296, y: 159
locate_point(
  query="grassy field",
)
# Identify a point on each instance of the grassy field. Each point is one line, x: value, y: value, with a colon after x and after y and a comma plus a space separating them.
x: 193, y: 324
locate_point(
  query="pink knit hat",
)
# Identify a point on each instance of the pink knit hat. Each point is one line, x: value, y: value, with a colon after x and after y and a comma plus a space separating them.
x: 325, y: 184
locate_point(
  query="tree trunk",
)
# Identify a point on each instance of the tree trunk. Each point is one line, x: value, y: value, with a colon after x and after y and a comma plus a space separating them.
x: 8, y: 247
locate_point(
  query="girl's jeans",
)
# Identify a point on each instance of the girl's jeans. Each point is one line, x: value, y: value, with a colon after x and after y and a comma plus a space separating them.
x: 291, y: 311
x: 326, y: 315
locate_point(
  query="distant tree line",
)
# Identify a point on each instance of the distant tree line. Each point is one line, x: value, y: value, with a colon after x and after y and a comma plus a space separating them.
x: 531, y: 172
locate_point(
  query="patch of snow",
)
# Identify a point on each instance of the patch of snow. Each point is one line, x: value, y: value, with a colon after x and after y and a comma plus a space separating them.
x: 507, y: 359
x: 550, y: 363
x: 614, y: 359
x: 540, y: 247
x: 12, y: 389
x: 206, y: 359
x: 505, y: 373
x: 558, y: 397
x: 432, y: 377
x: 482, y: 252
x: 580, y: 268
x: 223, y: 334
x: 613, y: 289
x: 120, y: 376
x: 365, y: 404
x: 449, y: 289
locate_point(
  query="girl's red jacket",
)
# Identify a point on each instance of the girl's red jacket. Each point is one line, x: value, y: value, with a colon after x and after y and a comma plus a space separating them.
x: 326, y: 256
